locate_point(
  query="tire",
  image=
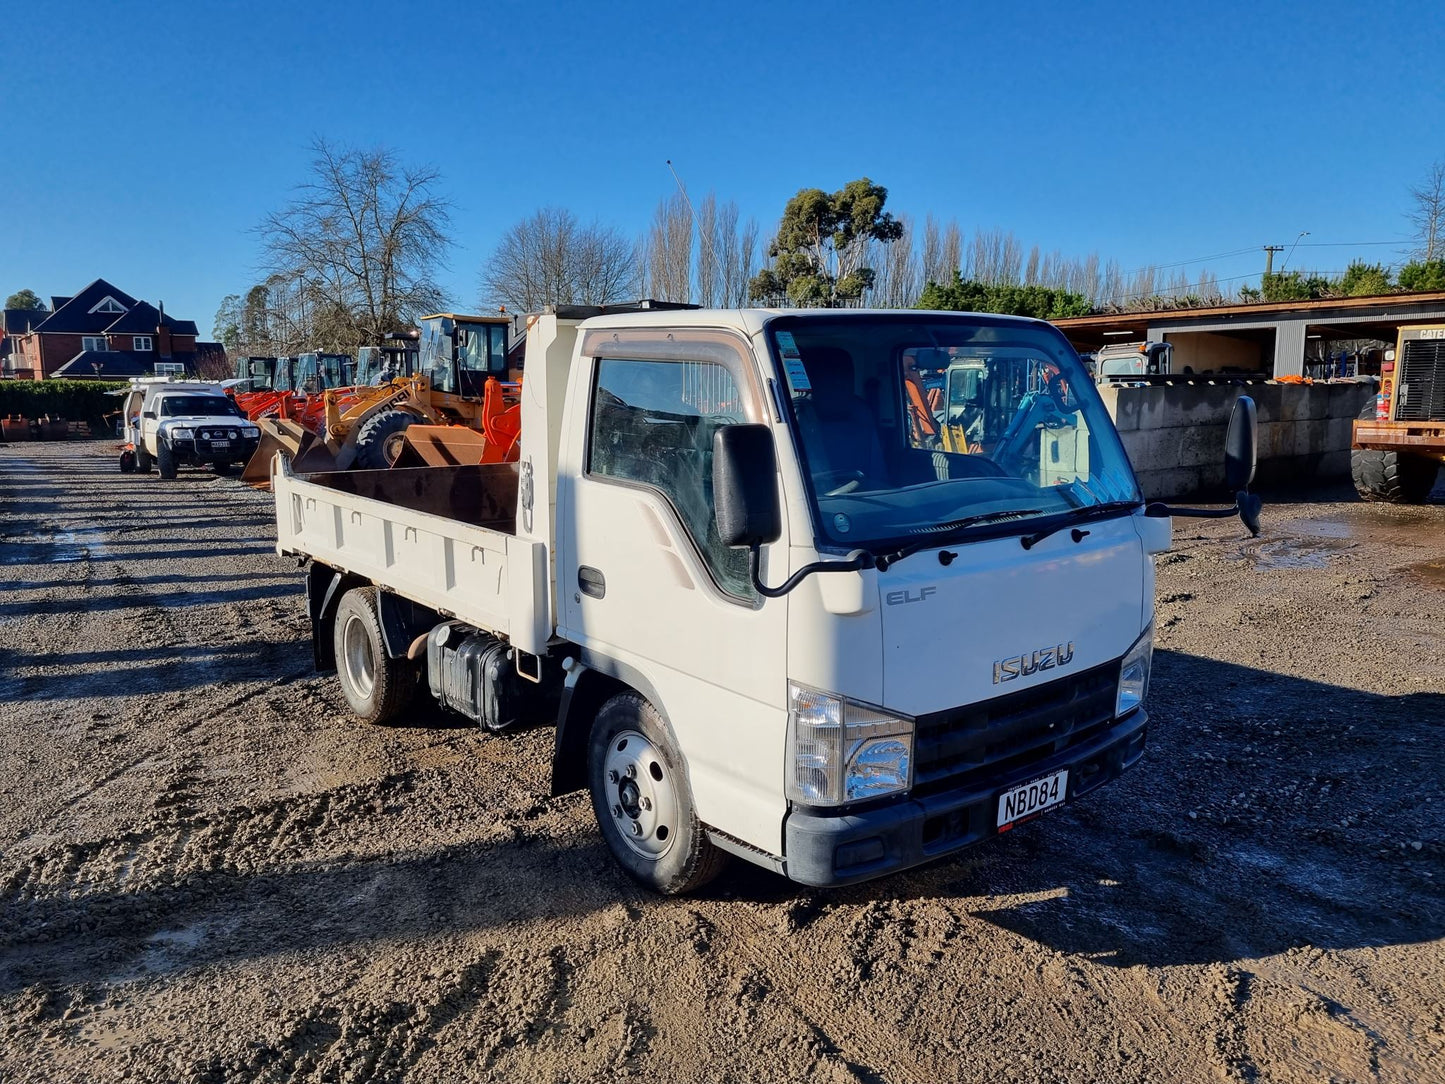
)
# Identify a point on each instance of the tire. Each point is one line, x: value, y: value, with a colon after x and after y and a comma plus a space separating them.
x: 379, y: 439
x: 127, y: 462
x: 165, y: 460
x: 378, y: 687
x: 1391, y: 477
x: 142, y: 459
x: 222, y: 466
x: 642, y: 800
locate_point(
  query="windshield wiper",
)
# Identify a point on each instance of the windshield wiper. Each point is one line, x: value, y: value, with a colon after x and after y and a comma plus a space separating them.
x: 1078, y: 515
x: 945, y: 532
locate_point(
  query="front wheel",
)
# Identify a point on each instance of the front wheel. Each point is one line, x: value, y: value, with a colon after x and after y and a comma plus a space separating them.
x: 1393, y: 477
x: 222, y: 466
x: 642, y: 800
x: 165, y: 460
x: 381, y: 438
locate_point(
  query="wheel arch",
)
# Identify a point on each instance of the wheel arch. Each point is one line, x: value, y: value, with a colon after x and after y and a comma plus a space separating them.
x: 591, y: 681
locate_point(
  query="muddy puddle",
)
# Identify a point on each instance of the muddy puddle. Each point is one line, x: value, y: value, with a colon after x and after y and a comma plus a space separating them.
x: 1316, y: 543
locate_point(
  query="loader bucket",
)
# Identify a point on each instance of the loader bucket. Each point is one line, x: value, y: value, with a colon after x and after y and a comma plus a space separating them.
x: 277, y: 435
x: 441, y: 446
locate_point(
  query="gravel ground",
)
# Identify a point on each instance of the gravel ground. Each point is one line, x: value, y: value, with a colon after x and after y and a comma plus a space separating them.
x: 209, y: 872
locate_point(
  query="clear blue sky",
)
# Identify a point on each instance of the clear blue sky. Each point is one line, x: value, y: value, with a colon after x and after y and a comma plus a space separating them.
x: 146, y: 140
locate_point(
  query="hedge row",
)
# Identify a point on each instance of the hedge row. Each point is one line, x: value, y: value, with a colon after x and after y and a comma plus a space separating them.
x: 73, y: 400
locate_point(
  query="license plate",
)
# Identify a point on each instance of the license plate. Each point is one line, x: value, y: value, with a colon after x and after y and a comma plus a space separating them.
x: 220, y: 444
x: 1032, y: 797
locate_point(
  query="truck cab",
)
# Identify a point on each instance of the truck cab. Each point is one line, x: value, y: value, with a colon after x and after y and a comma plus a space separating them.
x: 770, y: 617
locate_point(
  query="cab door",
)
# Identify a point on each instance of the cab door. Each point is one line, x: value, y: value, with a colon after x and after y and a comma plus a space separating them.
x: 644, y: 585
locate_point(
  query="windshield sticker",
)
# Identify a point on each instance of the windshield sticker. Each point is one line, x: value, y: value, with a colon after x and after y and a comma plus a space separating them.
x: 841, y: 523
x: 793, y: 362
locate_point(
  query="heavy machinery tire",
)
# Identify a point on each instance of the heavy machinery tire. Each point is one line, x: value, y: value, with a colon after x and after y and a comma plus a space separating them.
x: 142, y: 459
x: 642, y: 800
x: 1392, y: 477
x: 379, y: 440
x: 127, y: 462
x: 377, y: 687
x: 222, y: 466
x: 165, y: 460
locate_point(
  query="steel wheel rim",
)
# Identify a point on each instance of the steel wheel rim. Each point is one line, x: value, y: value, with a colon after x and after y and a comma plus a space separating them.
x: 356, y: 651
x: 641, y: 795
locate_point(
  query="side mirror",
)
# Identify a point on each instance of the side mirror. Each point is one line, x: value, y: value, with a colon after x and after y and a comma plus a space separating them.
x: 1241, y: 442
x: 745, y: 486
x: 1240, y: 445
x: 150, y: 413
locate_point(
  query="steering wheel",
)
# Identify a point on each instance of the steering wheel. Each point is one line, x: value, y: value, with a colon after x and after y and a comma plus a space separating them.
x: 835, y: 483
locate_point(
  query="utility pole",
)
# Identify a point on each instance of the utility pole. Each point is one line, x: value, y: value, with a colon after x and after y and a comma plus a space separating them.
x: 1269, y: 251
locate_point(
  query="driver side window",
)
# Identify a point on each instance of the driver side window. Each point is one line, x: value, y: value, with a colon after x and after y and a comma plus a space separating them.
x: 652, y: 424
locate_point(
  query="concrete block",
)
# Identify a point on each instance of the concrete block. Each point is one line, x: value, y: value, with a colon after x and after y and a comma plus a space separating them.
x: 1155, y: 449
x: 1201, y: 446
x: 1294, y: 402
x: 1126, y: 406
x: 1163, y: 485
x: 1266, y: 401
x: 1275, y: 439
x: 1198, y: 404
x: 1110, y: 396
x: 1347, y: 400
x: 1308, y: 437
x: 1338, y: 434
x: 1150, y: 410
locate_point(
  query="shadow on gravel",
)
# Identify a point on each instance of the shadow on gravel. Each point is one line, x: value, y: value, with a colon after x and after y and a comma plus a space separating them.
x: 206, y: 917
x: 176, y: 600
x: 1308, y: 800
x: 151, y: 670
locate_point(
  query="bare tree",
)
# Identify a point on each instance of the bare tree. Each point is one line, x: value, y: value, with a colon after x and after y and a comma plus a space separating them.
x: 933, y: 265
x: 897, y: 282
x: 951, y: 250
x: 364, y: 237
x: 551, y: 259
x: 1427, y: 218
x: 708, y: 273
x: 669, y: 251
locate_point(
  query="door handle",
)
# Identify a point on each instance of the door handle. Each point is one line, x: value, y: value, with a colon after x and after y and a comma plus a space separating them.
x: 591, y: 581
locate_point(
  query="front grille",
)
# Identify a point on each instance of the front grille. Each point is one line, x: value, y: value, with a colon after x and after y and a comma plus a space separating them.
x: 958, y: 747
x: 1420, y: 396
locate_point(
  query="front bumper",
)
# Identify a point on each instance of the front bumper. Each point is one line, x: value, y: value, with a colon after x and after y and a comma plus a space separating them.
x: 836, y: 849
x: 197, y: 452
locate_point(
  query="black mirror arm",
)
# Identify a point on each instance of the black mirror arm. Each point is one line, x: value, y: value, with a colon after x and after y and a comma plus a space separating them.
x: 1246, y: 507
x: 853, y: 564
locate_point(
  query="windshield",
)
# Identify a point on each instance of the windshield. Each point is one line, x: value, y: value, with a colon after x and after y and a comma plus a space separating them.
x: 177, y: 406
x: 909, y: 425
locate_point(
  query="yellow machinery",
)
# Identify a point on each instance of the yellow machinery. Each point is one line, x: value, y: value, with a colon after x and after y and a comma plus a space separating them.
x: 1399, y: 437
x: 439, y: 412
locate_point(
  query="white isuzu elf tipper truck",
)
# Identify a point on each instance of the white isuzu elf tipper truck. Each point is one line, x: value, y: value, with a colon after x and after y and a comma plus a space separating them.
x: 767, y: 619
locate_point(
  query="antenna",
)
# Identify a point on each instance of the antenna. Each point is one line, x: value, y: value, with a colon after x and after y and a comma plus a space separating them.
x: 692, y: 217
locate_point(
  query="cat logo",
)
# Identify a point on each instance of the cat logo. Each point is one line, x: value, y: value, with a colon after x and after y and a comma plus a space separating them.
x: 1045, y: 658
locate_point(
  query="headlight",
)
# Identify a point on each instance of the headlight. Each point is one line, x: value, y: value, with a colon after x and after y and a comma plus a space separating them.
x: 180, y: 433
x: 842, y: 751
x: 1134, y: 674
x: 250, y: 431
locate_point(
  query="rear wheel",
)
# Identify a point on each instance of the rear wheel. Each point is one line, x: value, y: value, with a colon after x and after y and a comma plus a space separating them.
x: 377, y: 687
x: 642, y: 800
x: 380, y: 438
x: 127, y: 462
x: 1393, y: 477
x: 142, y: 459
x: 165, y: 460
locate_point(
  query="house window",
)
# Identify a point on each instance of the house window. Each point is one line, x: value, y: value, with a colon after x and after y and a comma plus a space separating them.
x: 93, y: 342
x: 110, y: 304
x: 141, y: 344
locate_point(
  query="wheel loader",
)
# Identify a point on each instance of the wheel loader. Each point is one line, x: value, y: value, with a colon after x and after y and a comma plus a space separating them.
x: 1399, y: 437
x: 441, y: 414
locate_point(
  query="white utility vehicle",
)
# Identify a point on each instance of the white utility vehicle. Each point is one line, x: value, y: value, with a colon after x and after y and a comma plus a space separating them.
x: 767, y: 620
x: 174, y: 423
